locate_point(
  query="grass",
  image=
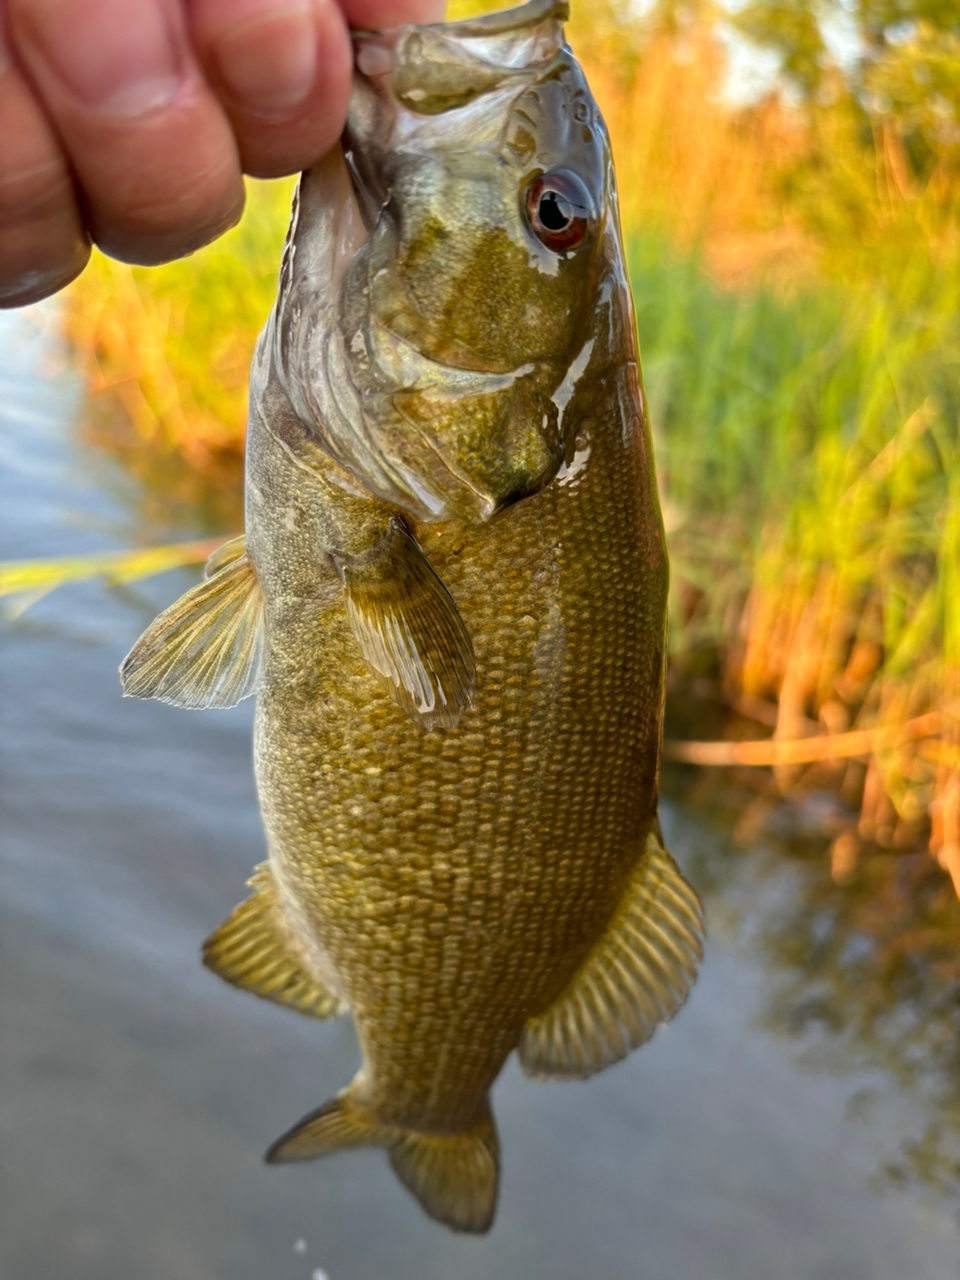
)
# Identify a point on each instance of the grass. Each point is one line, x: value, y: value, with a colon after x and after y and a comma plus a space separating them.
x: 798, y: 295
x: 808, y: 450
x: 32, y: 576
x: 167, y: 354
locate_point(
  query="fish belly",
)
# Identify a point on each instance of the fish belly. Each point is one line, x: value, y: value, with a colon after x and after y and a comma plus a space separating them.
x: 446, y: 884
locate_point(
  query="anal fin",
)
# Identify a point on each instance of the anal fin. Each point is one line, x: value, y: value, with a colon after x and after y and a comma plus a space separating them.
x: 455, y: 1176
x: 410, y: 630
x: 635, y: 978
x: 251, y: 950
x: 204, y: 651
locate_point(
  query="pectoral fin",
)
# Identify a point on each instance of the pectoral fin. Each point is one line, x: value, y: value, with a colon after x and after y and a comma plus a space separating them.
x: 455, y: 1176
x: 204, y: 651
x: 252, y: 950
x: 410, y: 631
x: 636, y: 977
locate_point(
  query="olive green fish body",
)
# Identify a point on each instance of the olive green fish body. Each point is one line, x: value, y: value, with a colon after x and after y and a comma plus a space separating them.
x: 450, y: 600
x: 450, y: 883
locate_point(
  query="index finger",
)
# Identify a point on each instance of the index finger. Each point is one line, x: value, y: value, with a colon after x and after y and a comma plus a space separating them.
x: 150, y: 146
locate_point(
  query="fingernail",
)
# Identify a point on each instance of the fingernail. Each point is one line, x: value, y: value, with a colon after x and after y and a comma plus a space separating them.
x: 124, y: 64
x: 268, y: 61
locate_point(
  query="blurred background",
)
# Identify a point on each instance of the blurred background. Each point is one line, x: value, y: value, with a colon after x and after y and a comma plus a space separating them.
x: 790, y: 196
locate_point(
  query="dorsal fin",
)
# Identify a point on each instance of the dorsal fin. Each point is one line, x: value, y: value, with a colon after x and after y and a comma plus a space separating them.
x: 636, y: 977
x: 204, y: 651
x: 252, y: 950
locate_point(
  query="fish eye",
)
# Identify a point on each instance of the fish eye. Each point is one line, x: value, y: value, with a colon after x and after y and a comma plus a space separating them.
x: 558, y: 210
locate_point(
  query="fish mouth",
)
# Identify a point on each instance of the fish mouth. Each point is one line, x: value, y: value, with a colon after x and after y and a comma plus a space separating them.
x: 530, y: 14
x: 373, y: 50
x: 350, y: 386
x: 412, y: 72
x: 503, y: 22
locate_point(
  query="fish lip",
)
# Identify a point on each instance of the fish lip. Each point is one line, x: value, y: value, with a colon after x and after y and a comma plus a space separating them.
x: 501, y: 22
x: 530, y: 14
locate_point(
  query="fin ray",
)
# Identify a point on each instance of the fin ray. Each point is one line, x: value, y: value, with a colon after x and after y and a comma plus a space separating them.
x: 251, y: 950
x: 410, y: 630
x: 224, y: 555
x: 204, y: 651
x: 637, y: 976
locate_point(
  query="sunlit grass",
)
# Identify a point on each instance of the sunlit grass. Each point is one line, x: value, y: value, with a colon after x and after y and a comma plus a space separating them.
x: 36, y: 576
x: 809, y: 452
x: 167, y: 355
x: 173, y: 346
x: 798, y: 298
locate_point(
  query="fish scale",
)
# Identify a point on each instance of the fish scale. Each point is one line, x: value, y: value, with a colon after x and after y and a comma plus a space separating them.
x: 450, y: 601
x: 569, y: 842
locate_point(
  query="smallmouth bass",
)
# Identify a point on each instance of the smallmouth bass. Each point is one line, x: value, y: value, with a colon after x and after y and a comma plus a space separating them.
x: 450, y: 601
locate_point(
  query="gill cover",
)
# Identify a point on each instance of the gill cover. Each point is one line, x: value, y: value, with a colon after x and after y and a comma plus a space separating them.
x: 447, y: 270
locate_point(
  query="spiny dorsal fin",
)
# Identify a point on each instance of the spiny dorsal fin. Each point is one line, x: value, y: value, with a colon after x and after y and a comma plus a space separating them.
x: 455, y: 1176
x: 252, y: 950
x: 204, y: 651
x: 410, y: 631
x: 636, y: 977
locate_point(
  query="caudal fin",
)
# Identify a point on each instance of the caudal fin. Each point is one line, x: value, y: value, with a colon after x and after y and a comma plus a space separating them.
x: 455, y: 1176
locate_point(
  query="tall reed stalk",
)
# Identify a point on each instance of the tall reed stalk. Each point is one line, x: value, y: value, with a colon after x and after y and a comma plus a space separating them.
x: 798, y: 296
x: 809, y: 449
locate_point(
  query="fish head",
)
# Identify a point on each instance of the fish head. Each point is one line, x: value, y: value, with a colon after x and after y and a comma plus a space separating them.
x: 472, y: 275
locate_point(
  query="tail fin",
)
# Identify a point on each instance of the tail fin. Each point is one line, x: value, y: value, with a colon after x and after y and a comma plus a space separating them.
x: 455, y: 1176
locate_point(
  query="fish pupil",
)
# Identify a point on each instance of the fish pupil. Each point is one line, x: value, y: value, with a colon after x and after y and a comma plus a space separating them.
x: 555, y: 213
x: 558, y: 210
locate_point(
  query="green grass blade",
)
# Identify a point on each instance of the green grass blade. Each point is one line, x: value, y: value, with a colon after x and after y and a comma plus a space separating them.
x: 115, y: 566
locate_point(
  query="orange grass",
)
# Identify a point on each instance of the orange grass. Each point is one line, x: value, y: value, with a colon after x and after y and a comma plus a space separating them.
x: 791, y: 513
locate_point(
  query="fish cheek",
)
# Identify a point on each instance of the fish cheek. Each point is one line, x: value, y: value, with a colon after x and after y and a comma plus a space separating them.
x: 465, y: 282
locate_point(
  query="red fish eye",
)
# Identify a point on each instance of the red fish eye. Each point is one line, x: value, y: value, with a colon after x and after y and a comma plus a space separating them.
x: 558, y: 209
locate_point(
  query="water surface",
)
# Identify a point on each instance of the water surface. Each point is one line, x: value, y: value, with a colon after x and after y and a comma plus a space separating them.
x: 137, y: 1092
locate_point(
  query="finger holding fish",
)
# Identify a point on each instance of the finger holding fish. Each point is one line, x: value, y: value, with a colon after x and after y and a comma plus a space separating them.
x: 130, y: 122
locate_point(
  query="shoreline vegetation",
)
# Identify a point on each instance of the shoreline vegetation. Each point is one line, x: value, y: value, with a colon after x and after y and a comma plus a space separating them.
x: 796, y: 270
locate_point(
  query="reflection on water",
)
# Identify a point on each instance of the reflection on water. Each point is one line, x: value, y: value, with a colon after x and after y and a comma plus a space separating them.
x: 868, y: 978
x: 863, y: 978
x: 799, y: 1120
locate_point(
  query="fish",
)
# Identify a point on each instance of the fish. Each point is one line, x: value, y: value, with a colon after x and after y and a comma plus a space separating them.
x: 450, y: 602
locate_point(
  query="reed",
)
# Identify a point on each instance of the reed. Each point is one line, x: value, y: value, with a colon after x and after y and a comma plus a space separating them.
x: 167, y: 356
x: 808, y: 451
x: 798, y: 295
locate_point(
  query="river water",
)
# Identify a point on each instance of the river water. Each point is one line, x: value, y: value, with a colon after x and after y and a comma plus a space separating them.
x: 137, y: 1092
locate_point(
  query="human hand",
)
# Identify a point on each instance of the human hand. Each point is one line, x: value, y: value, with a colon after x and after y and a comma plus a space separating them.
x: 129, y: 122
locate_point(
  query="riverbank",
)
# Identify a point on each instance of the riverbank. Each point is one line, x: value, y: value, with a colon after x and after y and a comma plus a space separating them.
x: 798, y: 300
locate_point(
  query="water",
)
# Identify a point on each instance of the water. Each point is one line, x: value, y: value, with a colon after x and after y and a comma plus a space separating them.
x: 137, y: 1092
